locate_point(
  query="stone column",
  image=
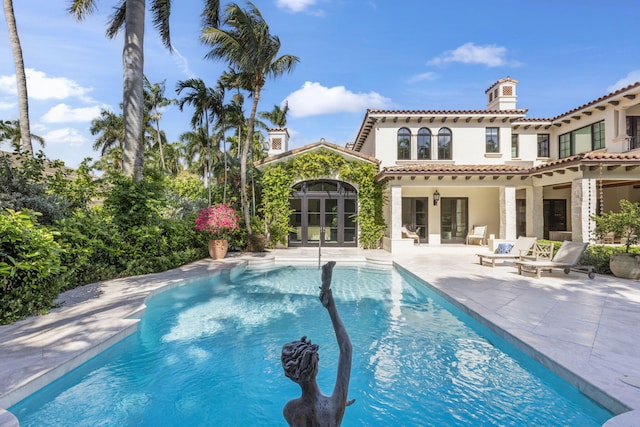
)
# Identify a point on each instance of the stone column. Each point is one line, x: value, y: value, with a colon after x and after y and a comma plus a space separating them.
x: 535, y: 219
x: 583, y: 208
x: 508, y: 229
x: 396, y: 212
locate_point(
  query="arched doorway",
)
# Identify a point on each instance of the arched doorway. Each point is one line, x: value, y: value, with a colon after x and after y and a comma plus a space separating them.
x: 324, y: 209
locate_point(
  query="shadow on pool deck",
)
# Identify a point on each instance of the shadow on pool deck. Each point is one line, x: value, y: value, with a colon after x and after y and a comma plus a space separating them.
x: 584, y: 330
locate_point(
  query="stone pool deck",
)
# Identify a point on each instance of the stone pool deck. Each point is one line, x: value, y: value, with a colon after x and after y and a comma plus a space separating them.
x: 584, y: 330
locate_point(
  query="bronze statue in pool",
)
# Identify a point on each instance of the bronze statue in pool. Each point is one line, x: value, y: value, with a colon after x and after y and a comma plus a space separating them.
x: 300, y: 363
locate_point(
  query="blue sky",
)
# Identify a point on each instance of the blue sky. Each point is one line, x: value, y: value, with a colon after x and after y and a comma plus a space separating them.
x: 354, y: 55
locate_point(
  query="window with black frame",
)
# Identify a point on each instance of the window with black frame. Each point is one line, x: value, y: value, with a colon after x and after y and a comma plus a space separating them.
x: 424, y: 144
x: 404, y: 144
x: 581, y: 140
x: 492, y: 140
x: 445, y: 144
x: 543, y: 145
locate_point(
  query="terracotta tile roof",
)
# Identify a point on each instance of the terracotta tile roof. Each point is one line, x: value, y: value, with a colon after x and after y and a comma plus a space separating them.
x: 595, y: 157
x: 454, y: 169
x: 516, y: 112
x: 599, y: 100
x: 506, y: 79
x: 313, y: 146
x: 532, y: 120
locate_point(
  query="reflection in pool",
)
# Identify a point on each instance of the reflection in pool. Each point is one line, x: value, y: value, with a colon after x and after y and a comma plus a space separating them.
x: 208, y: 353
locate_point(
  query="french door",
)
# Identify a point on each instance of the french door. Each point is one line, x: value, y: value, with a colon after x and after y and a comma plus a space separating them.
x: 414, y: 215
x: 454, y: 219
x: 323, y: 211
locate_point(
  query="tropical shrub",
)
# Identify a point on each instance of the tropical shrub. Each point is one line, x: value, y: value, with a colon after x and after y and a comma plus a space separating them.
x: 624, y: 224
x: 29, y: 266
x: 23, y: 185
x: 218, y: 222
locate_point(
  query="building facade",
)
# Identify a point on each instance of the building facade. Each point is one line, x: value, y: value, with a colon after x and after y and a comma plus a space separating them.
x: 448, y: 170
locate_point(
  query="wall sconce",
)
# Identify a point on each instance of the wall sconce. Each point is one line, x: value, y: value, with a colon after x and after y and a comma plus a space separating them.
x: 436, y: 198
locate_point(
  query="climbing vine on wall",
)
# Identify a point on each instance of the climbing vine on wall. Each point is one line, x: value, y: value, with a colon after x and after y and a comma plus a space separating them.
x: 278, y: 180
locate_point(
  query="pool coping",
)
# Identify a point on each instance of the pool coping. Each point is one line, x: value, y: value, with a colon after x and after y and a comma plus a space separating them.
x: 37, y: 350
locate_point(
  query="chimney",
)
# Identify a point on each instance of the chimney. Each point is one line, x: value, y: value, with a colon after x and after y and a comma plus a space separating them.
x: 502, y: 95
x: 278, y: 141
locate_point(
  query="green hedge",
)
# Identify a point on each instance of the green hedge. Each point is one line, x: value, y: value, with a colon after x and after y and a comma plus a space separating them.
x: 30, y: 266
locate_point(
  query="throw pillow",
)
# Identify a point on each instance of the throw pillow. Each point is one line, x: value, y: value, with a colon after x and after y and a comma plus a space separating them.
x: 504, y: 248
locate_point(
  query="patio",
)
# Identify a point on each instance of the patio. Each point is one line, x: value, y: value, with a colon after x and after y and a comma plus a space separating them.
x: 580, y: 328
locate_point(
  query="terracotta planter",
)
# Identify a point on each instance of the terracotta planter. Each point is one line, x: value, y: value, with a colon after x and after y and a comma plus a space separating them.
x: 218, y: 248
x: 626, y: 266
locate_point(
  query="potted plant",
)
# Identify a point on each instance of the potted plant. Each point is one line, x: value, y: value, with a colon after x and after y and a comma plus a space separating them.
x: 219, y: 222
x: 625, y: 225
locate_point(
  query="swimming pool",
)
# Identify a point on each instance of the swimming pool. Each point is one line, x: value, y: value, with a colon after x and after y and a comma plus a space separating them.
x: 209, y: 354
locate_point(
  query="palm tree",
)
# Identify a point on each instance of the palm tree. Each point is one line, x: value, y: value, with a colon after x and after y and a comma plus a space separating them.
x: 155, y: 100
x: 277, y: 116
x: 21, y: 78
x: 110, y: 128
x: 11, y: 131
x: 131, y: 15
x: 249, y: 48
x: 208, y: 103
x: 197, y: 151
x: 175, y: 154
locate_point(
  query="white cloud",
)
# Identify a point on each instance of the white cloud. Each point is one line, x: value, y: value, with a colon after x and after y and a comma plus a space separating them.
x: 429, y: 75
x: 313, y: 99
x: 469, y: 53
x: 65, y: 136
x: 632, y: 77
x: 7, y: 105
x: 62, y: 113
x: 41, y: 87
x: 295, y: 5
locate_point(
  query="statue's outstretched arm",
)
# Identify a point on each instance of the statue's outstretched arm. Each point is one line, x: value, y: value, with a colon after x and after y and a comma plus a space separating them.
x: 341, y: 388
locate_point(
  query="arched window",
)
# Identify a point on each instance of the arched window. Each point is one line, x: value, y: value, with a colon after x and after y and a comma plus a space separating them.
x: 404, y: 144
x: 445, y: 144
x: 424, y: 144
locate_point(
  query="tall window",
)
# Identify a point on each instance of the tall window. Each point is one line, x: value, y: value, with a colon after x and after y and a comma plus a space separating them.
x: 445, y: 144
x: 515, y: 148
x: 424, y: 144
x: 404, y: 144
x: 492, y: 140
x: 633, y: 130
x: 564, y: 145
x: 543, y: 145
x: 598, y: 135
x: 581, y: 140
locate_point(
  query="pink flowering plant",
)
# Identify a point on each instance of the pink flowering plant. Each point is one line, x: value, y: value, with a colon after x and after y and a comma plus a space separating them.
x: 219, y: 221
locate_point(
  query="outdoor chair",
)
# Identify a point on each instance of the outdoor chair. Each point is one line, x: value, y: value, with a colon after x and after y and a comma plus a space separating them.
x: 479, y: 233
x: 406, y: 234
x: 541, y: 252
x: 566, y: 258
x: 506, y: 252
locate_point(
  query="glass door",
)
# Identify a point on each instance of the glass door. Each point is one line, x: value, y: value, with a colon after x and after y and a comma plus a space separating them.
x: 454, y: 219
x: 324, y: 210
x: 554, y: 212
x: 414, y: 215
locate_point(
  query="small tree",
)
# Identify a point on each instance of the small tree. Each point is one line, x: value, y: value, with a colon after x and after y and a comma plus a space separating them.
x: 624, y: 224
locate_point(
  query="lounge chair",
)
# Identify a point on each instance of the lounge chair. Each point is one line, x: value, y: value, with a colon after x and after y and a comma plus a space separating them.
x: 541, y: 252
x: 406, y: 234
x: 478, y: 232
x: 566, y: 258
x: 520, y: 248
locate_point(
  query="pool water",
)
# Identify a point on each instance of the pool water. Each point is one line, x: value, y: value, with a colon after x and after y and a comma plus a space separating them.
x: 208, y: 354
